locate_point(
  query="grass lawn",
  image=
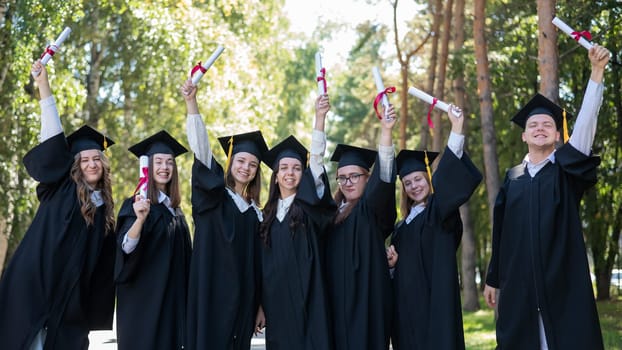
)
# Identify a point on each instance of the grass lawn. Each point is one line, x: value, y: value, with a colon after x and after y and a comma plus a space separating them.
x: 479, y: 327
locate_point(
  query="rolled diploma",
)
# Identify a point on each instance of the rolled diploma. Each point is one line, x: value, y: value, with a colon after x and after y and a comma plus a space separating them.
x: 198, y: 74
x: 380, y: 87
x: 46, y: 56
x: 318, y: 73
x: 144, y: 163
x: 429, y: 99
x: 566, y: 29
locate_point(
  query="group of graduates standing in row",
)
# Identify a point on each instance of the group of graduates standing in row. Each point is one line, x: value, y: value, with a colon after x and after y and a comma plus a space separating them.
x: 311, y: 267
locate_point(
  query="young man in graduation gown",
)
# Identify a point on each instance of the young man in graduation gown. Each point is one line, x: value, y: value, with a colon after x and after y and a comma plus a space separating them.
x: 153, y: 254
x: 223, y: 289
x: 428, y: 312
x: 298, y: 211
x: 538, y: 260
x: 359, y: 287
x: 59, y: 284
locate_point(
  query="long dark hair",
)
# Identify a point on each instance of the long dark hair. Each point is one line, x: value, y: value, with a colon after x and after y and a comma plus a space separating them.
x: 171, y: 189
x: 87, y: 208
x: 252, y: 189
x: 270, y: 209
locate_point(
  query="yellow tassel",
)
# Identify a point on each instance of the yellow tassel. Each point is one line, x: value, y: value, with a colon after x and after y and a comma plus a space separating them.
x: 105, y: 143
x: 427, y: 167
x: 229, y: 154
x: 565, y: 126
x: 308, y: 157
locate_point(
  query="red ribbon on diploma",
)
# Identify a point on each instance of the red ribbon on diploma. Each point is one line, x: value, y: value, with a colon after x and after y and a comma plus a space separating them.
x: 322, y: 78
x: 430, y: 123
x: 49, y: 50
x: 389, y: 90
x: 200, y: 67
x: 143, y: 179
x: 578, y: 35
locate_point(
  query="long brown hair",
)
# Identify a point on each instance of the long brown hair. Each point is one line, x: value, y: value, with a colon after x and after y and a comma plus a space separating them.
x: 406, y: 202
x: 252, y: 189
x: 339, y: 197
x: 171, y: 188
x: 87, y: 208
x: 270, y: 209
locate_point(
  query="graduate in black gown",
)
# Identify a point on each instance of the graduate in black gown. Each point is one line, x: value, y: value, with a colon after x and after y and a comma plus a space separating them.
x: 223, y: 289
x: 538, y: 260
x: 428, y: 312
x: 153, y: 254
x: 357, y: 272
x: 59, y: 284
x: 298, y: 210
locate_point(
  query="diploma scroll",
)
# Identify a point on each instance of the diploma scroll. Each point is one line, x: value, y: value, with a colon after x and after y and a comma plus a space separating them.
x: 382, y: 92
x: 428, y: 99
x: 320, y: 73
x: 50, y: 50
x: 143, y: 173
x: 199, y: 70
x: 578, y: 36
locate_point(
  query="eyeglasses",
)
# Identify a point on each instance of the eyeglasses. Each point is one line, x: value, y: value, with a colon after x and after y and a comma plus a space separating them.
x: 353, y: 178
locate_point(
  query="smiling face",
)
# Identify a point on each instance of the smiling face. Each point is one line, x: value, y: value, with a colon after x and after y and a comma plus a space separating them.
x: 416, y: 186
x: 244, y: 167
x: 288, y: 176
x: 163, y: 165
x: 91, y: 166
x: 352, y: 180
x: 541, y: 132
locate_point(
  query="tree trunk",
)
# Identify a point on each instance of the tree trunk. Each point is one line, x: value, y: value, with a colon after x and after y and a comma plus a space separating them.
x: 438, y: 140
x: 547, y: 51
x: 436, y: 7
x: 93, y: 78
x: 470, y: 299
x: 489, y: 141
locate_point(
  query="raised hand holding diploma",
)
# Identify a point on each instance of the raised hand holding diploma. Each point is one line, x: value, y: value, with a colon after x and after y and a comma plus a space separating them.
x: 382, y: 92
x: 320, y: 73
x: 50, y: 50
x: 199, y: 70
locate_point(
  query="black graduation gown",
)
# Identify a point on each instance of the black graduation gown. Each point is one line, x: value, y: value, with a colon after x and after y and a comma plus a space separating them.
x: 428, y: 312
x: 223, y: 286
x: 293, y: 292
x: 61, y: 276
x: 538, y: 259
x: 152, y: 280
x: 357, y: 271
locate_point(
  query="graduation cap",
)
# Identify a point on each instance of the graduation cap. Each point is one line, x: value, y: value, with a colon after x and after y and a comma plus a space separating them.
x: 409, y: 161
x: 351, y: 155
x: 288, y: 148
x: 88, y: 138
x: 251, y: 142
x: 161, y: 142
x: 542, y: 105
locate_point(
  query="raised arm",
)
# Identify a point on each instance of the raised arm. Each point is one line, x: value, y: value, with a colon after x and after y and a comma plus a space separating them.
x: 585, y: 127
x: 195, y: 128
x: 456, y: 137
x: 50, y: 121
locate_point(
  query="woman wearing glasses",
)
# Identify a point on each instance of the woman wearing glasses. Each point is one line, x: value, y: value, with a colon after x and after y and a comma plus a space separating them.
x: 357, y: 272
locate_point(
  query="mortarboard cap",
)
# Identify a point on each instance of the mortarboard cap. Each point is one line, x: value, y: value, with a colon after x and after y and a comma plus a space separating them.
x: 351, y: 155
x: 409, y: 161
x: 541, y: 105
x: 161, y: 142
x: 87, y: 138
x: 288, y: 148
x: 251, y: 142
